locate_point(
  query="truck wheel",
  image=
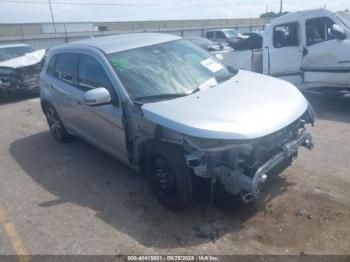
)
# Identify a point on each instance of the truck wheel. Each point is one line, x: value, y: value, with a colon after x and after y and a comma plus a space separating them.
x: 168, y: 175
x: 56, y: 127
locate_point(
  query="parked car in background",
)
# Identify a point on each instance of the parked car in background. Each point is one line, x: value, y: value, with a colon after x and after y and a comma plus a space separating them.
x: 225, y: 36
x: 249, y: 41
x: 166, y: 107
x: 20, y: 66
x: 205, y: 43
x: 308, y: 48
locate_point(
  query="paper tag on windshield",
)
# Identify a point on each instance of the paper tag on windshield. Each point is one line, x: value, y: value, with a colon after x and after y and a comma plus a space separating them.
x: 211, y: 65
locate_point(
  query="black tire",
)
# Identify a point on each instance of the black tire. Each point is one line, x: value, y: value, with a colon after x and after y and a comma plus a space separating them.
x: 55, y: 124
x: 168, y: 175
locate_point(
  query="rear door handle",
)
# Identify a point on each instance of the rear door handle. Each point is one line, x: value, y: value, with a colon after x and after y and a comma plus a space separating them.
x: 305, y: 51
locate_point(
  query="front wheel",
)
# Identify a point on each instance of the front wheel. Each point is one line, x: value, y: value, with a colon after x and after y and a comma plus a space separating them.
x: 168, y: 175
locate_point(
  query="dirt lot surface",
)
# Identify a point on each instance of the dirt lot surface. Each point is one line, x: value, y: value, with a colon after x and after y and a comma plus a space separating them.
x: 73, y: 199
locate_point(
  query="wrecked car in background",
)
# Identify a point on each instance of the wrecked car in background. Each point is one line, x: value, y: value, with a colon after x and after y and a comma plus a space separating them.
x: 250, y: 41
x: 20, y: 67
x: 166, y: 107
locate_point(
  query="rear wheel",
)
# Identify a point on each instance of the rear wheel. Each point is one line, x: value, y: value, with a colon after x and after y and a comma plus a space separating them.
x: 56, y: 127
x: 168, y: 175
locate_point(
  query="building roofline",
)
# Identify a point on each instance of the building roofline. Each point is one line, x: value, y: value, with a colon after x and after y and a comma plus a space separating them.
x: 135, y: 21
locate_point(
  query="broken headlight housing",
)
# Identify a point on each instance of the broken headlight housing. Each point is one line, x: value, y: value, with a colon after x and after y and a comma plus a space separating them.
x: 209, y: 144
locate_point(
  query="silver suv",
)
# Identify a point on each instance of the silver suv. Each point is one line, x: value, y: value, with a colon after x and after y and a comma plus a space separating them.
x: 169, y: 109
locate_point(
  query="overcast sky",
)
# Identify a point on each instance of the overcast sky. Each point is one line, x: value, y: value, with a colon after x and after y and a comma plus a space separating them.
x: 15, y: 11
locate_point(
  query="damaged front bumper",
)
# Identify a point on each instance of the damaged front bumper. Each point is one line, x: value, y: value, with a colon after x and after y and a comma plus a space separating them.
x: 24, y: 78
x: 244, y: 168
x: 251, y: 187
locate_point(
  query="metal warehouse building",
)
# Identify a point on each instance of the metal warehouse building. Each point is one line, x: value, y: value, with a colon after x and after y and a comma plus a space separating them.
x: 46, y: 35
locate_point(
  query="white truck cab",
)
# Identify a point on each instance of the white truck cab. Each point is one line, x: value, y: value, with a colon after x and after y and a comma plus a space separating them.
x: 307, y: 48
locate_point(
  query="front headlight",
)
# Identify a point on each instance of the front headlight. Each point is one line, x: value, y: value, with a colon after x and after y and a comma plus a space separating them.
x: 5, y: 81
x: 206, y: 144
x: 4, y: 71
x: 6, y: 75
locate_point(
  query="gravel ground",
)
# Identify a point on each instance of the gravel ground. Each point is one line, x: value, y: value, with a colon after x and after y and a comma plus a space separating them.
x: 74, y: 199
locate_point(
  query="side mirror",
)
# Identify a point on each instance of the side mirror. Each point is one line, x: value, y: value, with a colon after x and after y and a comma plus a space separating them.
x: 97, y: 96
x: 337, y: 31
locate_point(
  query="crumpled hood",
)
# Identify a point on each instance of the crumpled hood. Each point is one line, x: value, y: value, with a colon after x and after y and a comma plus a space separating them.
x: 26, y: 60
x: 247, y: 106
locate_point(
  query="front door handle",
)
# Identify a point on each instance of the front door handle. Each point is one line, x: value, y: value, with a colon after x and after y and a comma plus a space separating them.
x: 305, y: 51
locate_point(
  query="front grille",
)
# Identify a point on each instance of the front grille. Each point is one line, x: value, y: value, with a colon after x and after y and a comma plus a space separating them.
x: 262, y: 149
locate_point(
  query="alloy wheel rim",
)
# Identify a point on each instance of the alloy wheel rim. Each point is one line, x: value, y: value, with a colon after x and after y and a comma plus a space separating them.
x: 54, y: 123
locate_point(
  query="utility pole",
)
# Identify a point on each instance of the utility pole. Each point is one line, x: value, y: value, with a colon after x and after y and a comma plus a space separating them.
x: 281, y: 6
x: 53, y: 20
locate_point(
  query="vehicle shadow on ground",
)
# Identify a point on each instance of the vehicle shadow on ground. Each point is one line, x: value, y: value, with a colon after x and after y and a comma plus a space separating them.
x: 18, y: 96
x: 78, y: 173
x: 330, y: 107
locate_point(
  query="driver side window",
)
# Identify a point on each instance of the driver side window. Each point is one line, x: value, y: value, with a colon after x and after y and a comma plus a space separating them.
x: 318, y: 30
x: 92, y: 74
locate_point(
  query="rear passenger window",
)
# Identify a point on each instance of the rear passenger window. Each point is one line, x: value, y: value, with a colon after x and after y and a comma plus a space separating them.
x: 66, y: 67
x: 92, y: 74
x: 51, y: 66
x: 286, y: 35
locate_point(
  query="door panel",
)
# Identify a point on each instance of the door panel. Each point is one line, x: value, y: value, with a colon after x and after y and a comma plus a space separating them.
x: 102, y: 125
x: 63, y: 85
x: 327, y: 61
x: 286, y: 53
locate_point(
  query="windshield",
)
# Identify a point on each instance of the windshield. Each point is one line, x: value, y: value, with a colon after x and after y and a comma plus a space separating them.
x: 345, y: 18
x: 172, y: 68
x: 232, y: 33
x: 8, y: 53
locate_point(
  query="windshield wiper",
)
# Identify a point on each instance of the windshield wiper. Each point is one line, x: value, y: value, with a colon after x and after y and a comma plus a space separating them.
x: 195, y: 90
x: 160, y: 96
x: 220, y: 79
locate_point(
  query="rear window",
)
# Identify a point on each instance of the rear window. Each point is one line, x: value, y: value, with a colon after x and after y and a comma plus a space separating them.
x: 66, y: 67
